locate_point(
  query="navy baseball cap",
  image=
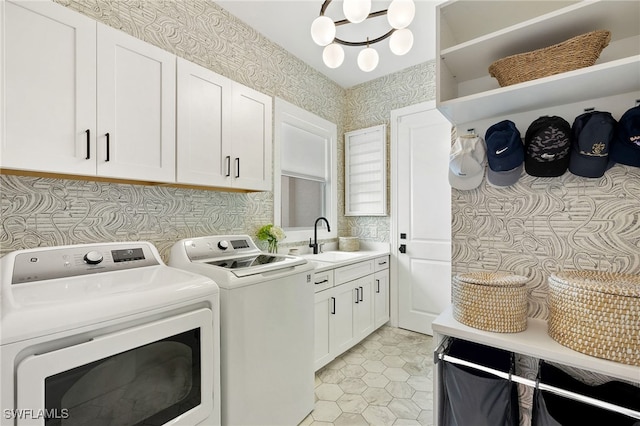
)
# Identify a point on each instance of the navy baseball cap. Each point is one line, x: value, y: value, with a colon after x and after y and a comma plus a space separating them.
x: 592, y: 133
x: 505, y: 153
x: 625, y: 147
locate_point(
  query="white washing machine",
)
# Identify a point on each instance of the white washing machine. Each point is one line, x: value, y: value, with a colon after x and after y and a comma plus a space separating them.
x: 266, y: 327
x: 107, y: 334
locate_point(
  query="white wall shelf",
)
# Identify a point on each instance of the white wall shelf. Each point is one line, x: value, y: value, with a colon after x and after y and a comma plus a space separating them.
x: 535, y: 342
x: 466, y: 92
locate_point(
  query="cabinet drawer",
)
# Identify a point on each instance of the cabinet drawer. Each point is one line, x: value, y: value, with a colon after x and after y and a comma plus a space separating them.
x: 381, y: 263
x: 351, y: 272
x: 322, y: 280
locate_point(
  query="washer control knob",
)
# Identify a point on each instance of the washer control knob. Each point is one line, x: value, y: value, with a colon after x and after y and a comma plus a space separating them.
x: 223, y: 245
x: 93, y: 257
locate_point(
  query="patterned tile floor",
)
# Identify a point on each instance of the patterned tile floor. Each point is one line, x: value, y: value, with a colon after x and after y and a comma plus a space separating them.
x: 384, y: 380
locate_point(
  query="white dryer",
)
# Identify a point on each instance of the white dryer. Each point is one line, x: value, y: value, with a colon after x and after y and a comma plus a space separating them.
x: 107, y: 334
x: 266, y: 326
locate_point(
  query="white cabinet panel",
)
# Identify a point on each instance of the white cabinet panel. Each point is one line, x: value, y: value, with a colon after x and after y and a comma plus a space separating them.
x: 342, y: 328
x: 251, y: 137
x: 324, y: 305
x: 363, y: 322
x: 204, y: 111
x: 381, y: 298
x: 49, y: 89
x: 136, y: 108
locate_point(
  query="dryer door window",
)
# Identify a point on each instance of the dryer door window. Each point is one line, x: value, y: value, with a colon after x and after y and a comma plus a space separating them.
x: 151, y: 383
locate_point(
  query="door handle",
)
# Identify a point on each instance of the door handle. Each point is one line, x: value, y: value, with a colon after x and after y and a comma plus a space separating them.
x: 238, y: 167
x: 357, y: 295
x: 88, y: 131
x: 361, y: 293
x: 378, y: 288
x: 403, y: 248
x: 108, y: 147
x: 228, y: 158
x: 333, y: 299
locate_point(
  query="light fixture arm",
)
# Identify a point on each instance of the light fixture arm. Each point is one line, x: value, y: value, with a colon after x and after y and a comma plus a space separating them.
x: 323, y: 9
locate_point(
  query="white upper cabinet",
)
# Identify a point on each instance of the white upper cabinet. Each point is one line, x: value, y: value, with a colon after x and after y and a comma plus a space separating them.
x: 49, y: 83
x: 204, y: 117
x: 224, y: 131
x: 251, y: 138
x: 136, y: 108
x: 82, y: 98
x: 471, y: 35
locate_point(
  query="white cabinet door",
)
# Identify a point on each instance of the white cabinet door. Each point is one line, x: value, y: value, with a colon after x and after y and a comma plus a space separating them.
x: 136, y: 108
x: 363, y: 321
x: 251, y: 138
x: 381, y: 297
x: 203, y: 119
x: 342, y: 329
x: 49, y: 89
x: 324, y: 306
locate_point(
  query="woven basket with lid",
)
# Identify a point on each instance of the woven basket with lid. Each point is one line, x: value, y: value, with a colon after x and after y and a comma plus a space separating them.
x: 491, y: 301
x: 596, y: 313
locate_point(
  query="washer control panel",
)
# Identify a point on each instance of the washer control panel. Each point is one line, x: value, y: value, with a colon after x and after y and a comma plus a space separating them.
x: 46, y: 264
x: 218, y: 246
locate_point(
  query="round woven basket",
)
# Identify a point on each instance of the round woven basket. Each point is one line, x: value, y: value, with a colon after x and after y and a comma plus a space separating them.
x: 491, y: 301
x: 596, y: 313
x: 577, y: 52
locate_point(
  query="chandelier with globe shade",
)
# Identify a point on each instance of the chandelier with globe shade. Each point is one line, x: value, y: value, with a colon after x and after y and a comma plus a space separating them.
x: 400, y: 14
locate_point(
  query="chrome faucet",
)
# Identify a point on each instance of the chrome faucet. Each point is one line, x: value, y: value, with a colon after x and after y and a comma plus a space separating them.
x: 314, y: 245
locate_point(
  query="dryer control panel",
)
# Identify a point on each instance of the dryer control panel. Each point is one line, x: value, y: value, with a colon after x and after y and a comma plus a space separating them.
x: 60, y: 262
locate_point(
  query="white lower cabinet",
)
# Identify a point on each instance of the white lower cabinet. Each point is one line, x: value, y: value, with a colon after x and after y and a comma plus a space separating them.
x: 350, y: 303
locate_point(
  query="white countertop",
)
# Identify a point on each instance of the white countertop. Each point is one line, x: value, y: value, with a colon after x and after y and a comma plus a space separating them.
x: 354, y: 257
x: 535, y: 342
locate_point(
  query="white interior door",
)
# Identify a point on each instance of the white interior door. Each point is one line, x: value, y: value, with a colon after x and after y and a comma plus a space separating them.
x: 422, y: 223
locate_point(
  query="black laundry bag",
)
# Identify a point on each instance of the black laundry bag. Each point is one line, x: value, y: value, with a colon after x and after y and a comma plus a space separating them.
x: 554, y: 410
x: 471, y: 397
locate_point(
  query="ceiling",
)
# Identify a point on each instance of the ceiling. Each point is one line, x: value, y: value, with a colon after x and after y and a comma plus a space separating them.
x: 288, y: 22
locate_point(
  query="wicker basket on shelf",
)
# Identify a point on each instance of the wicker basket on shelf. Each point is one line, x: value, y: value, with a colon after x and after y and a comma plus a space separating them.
x: 596, y: 313
x: 491, y: 301
x: 577, y: 52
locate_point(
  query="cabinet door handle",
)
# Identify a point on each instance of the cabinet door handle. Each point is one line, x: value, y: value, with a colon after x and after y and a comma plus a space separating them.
x: 333, y: 300
x: 108, y: 145
x: 88, y: 131
x: 378, y: 288
x: 321, y: 282
x: 361, y: 293
x: 228, y: 158
x: 237, y: 167
x: 357, y: 295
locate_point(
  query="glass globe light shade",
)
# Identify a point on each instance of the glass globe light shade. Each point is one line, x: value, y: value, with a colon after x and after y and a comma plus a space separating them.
x: 356, y: 10
x: 323, y: 30
x: 401, y: 41
x: 333, y: 55
x: 368, y: 59
x: 401, y: 13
